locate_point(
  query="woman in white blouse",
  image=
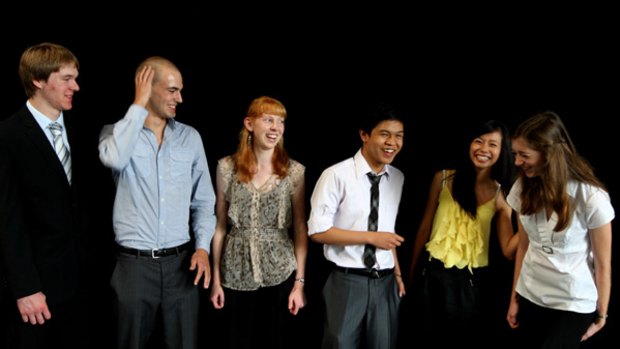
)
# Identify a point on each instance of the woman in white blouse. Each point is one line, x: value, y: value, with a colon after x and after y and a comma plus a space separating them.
x: 562, y: 278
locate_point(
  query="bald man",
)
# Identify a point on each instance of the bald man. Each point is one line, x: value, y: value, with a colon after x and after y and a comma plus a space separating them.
x: 162, y: 186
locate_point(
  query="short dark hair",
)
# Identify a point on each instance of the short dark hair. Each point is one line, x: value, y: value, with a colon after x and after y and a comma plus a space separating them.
x: 375, y: 113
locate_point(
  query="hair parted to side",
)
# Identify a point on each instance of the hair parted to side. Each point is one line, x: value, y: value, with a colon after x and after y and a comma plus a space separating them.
x: 245, y: 159
x: 38, y: 62
x: 545, y: 132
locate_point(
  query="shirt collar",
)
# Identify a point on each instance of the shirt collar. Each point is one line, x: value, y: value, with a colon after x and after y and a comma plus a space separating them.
x: 362, y: 167
x: 42, y: 119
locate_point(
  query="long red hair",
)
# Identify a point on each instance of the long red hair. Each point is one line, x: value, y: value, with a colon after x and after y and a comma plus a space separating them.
x: 245, y: 159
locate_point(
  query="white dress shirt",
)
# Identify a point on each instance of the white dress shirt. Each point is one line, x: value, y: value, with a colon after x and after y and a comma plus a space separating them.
x: 341, y: 199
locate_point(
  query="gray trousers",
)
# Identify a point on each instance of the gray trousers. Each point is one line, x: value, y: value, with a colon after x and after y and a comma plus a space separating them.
x: 357, y: 305
x: 144, y: 286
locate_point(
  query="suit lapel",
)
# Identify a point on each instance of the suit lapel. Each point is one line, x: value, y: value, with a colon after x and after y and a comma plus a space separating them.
x: 34, y: 132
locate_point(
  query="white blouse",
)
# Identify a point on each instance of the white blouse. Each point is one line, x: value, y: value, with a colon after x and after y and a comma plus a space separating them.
x: 558, y: 268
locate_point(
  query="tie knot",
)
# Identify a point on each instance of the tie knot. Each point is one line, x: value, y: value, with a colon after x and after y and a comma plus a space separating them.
x: 55, y: 127
x: 374, y: 179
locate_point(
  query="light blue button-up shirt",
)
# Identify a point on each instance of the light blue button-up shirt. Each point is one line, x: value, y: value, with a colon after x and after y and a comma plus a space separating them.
x: 159, y: 190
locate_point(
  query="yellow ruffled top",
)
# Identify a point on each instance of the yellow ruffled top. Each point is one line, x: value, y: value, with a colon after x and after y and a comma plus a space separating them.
x: 457, y: 239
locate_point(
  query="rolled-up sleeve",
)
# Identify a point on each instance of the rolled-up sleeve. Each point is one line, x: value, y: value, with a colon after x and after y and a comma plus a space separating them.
x: 325, y: 200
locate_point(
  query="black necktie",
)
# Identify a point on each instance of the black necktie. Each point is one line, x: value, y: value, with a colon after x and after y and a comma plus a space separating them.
x: 373, y: 219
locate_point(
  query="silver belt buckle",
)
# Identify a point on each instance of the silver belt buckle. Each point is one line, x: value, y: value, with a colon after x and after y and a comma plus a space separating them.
x: 547, y: 249
x: 153, y: 254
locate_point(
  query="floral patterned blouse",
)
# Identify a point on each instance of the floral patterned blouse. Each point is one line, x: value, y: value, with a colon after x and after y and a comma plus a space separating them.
x: 258, y: 250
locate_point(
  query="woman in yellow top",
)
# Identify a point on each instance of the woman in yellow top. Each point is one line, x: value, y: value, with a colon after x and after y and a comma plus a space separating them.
x: 455, y: 232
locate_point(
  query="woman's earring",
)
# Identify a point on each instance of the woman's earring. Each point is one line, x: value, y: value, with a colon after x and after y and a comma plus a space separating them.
x: 249, y: 138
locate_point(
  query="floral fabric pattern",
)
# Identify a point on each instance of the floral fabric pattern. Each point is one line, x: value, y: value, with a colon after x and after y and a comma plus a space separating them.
x: 258, y: 249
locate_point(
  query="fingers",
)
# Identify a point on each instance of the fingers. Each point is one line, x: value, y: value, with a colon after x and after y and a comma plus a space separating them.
x: 197, y: 278
x: 512, y: 322
x: 144, y: 81
x: 203, y: 271
x: 207, y: 279
x: 592, y: 329
x: 37, y: 318
x: 391, y: 241
x: 145, y: 74
x: 293, y: 308
x: 218, y: 302
x: 33, y: 309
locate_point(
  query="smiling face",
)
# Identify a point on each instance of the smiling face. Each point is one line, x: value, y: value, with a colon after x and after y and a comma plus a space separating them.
x: 166, y: 94
x: 381, y: 146
x: 57, y: 92
x: 267, y: 130
x: 527, y: 159
x: 486, y: 149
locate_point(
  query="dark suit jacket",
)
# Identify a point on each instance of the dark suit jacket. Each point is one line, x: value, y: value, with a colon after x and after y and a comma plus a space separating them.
x: 39, y: 217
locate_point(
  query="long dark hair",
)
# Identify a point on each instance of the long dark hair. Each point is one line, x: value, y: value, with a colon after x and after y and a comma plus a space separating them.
x: 464, y: 181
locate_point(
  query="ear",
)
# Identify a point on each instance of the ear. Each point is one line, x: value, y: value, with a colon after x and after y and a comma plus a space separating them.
x: 38, y: 83
x: 248, y: 123
x: 364, y: 136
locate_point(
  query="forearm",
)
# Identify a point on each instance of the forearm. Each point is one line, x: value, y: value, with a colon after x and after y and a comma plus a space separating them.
x: 603, y: 287
x: 216, y: 253
x: 342, y: 237
x: 520, y: 255
x: 301, y: 251
x: 418, y: 246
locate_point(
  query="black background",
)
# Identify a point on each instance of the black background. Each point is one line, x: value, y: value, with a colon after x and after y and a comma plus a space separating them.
x: 444, y: 68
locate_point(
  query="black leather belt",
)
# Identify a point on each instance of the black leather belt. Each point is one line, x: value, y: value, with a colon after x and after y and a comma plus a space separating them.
x: 162, y: 252
x: 371, y: 273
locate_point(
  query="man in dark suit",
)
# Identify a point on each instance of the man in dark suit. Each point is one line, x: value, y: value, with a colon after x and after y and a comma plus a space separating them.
x: 39, y: 218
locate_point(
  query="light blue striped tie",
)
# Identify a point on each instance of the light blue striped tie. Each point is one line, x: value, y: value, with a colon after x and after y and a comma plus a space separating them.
x: 61, y: 150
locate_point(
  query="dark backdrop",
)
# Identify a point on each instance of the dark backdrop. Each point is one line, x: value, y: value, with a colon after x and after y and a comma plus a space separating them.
x: 324, y: 65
